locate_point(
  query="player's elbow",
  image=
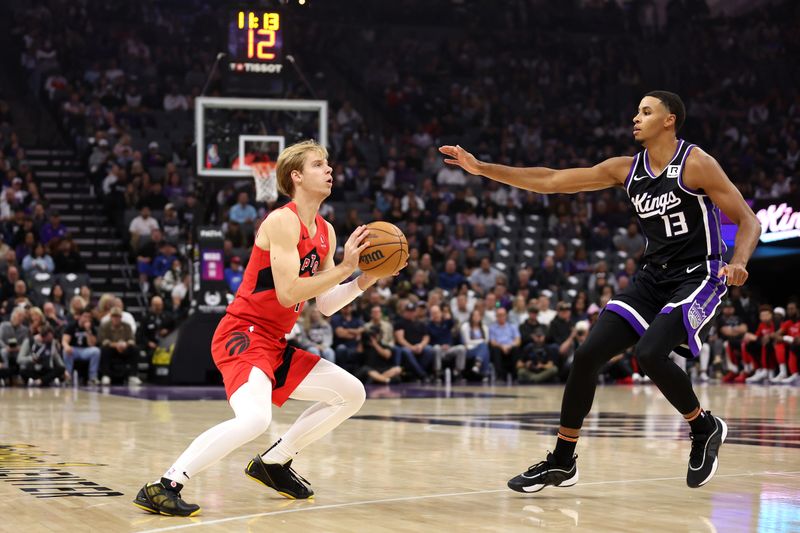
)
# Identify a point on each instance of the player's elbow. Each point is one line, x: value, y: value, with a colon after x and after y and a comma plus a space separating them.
x: 285, y: 297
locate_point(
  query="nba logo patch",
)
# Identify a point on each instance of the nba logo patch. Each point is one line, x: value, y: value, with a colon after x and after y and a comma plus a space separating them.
x: 673, y: 171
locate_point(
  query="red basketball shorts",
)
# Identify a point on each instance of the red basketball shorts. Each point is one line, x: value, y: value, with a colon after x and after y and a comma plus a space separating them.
x: 239, y: 345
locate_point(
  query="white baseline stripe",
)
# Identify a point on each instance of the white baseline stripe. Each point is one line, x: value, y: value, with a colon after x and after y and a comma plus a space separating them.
x: 446, y: 495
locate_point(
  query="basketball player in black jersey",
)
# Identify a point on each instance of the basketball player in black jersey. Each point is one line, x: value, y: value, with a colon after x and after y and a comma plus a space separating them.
x: 677, y: 191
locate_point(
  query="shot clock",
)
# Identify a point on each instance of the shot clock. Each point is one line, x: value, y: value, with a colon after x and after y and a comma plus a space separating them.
x: 255, y: 42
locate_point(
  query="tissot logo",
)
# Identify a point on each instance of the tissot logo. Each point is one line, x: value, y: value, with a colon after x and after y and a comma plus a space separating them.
x: 647, y: 205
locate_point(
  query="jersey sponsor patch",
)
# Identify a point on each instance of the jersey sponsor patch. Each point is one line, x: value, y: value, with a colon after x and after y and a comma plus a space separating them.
x: 673, y: 171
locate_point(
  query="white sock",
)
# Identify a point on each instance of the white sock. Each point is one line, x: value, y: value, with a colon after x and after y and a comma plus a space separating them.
x: 278, y: 454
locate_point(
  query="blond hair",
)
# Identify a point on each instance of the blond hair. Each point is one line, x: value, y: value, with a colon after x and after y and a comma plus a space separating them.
x: 293, y: 158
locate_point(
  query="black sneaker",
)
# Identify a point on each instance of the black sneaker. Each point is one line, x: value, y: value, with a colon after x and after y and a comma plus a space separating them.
x: 546, y: 473
x: 282, y: 478
x: 155, y: 498
x: 704, y: 457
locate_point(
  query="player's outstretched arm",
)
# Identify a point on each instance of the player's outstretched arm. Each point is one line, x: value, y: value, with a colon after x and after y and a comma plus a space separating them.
x: 703, y: 172
x: 282, y: 232
x: 609, y: 173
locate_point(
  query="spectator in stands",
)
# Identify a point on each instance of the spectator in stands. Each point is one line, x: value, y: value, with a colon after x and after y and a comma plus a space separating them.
x: 40, y: 362
x: 174, y: 100
x: 549, y: 277
x: 234, y: 274
x: 38, y: 261
x: 19, y: 298
x: 53, y: 319
x: 504, y: 341
x: 142, y: 227
x: 518, y: 313
x: 153, y: 197
x: 242, y: 211
x: 7, y: 283
x: 347, y: 331
x: 380, y: 355
x: 319, y: 335
x: 760, y: 346
x: 146, y: 259
x: 157, y: 324
x: 631, y: 242
x: 12, y: 334
x: 545, y: 314
x: 412, y: 341
x: 118, y: 348
x: 475, y: 337
x: 36, y: 320
x: 483, y: 280
x: 26, y: 245
x: 79, y: 342
x: 67, y: 259
x: 460, y: 308
x: 561, y: 326
x: 54, y: 229
x: 446, y: 348
x: 788, y: 346
x: 538, y: 362
x: 171, y: 224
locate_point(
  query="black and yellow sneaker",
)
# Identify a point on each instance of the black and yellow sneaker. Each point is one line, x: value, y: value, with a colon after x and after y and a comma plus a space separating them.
x: 157, y: 498
x: 282, y: 478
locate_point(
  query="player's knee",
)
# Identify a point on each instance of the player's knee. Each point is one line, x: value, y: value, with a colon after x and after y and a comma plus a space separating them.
x: 355, y: 394
x: 585, y: 360
x: 649, y: 354
x: 256, y: 424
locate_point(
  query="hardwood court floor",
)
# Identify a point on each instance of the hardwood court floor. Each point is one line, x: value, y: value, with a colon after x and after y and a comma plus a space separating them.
x: 415, y: 459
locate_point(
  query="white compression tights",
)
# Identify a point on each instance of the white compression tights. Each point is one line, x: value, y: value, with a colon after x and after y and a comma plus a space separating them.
x: 338, y: 394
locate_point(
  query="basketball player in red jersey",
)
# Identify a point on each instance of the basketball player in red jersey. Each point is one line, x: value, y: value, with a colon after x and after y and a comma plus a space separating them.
x: 291, y: 262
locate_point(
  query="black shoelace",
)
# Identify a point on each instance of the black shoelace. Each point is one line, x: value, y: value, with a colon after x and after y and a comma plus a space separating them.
x: 297, y: 477
x: 698, y: 447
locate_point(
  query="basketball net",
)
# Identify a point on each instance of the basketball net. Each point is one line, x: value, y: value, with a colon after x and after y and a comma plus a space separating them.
x: 266, y: 181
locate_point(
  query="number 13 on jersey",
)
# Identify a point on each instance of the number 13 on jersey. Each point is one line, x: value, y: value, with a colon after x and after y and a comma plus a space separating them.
x: 675, y: 224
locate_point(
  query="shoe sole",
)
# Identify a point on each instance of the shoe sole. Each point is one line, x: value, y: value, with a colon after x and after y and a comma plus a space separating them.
x: 156, y: 511
x: 284, y: 494
x: 564, y: 484
x: 716, y: 459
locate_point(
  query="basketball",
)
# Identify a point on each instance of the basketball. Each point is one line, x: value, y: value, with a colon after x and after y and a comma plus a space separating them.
x: 387, y: 251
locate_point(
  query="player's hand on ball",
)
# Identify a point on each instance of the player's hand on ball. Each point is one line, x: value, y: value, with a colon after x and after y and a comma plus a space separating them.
x: 397, y: 272
x: 356, y: 243
x: 461, y: 158
x: 735, y: 273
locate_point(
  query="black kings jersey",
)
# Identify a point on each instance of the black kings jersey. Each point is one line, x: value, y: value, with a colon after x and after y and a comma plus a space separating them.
x: 679, y: 224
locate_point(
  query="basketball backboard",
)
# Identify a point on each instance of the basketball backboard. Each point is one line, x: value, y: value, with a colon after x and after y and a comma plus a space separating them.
x: 232, y: 133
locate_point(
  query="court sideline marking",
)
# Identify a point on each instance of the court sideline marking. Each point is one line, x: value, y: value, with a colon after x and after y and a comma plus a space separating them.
x: 429, y: 496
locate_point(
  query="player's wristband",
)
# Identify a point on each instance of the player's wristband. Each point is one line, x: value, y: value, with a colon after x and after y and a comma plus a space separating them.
x: 337, y: 297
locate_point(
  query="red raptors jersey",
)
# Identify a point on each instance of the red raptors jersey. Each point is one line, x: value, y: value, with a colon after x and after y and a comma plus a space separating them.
x: 791, y: 328
x: 765, y: 328
x: 256, y: 300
